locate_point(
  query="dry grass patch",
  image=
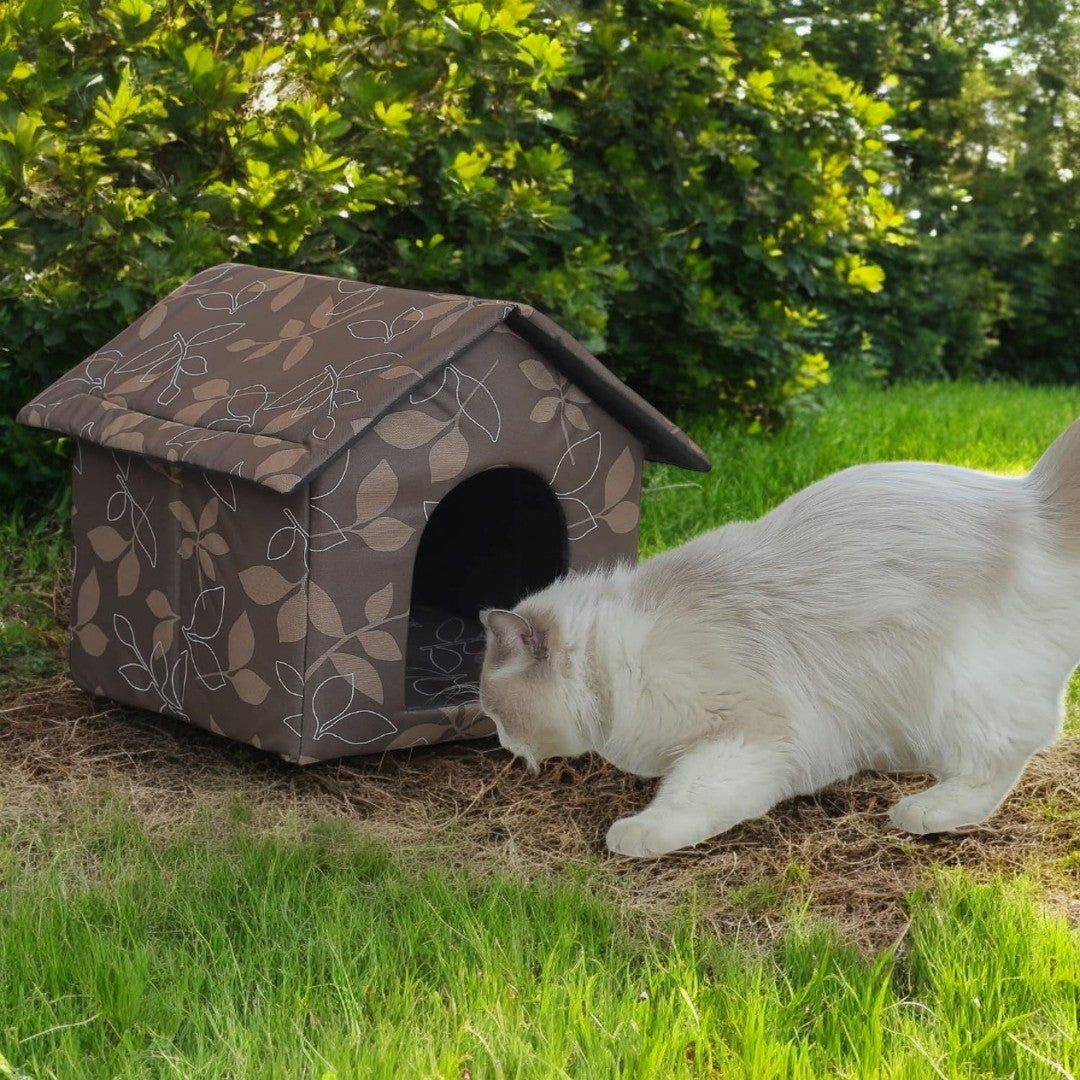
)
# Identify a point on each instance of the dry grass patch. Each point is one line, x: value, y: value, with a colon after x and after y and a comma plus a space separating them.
x: 470, y: 806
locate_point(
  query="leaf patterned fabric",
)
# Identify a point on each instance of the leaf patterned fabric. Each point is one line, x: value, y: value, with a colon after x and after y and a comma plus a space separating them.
x: 268, y: 375
x: 257, y: 460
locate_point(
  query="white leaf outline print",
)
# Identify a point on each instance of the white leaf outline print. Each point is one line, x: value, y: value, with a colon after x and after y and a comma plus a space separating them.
x: 443, y: 658
x: 355, y: 300
x: 233, y: 299
x: 123, y: 621
x: 219, y: 484
x: 479, y: 391
x: 284, y: 539
x: 94, y: 372
x: 116, y: 505
x: 568, y: 464
x: 340, y: 479
x: 329, y: 390
x: 330, y: 536
x: 455, y: 679
x: 209, y: 610
x: 461, y: 380
x: 210, y: 275
x: 242, y: 420
x: 137, y: 676
x: 456, y: 689
x: 156, y: 355
x: 173, y: 356
x: 287, y: 674
x: 159, y: 663
x: 209, y: 334
x: 415, y: 400
x: 581, y: 524
x: 402, y: 323
x: 178, y: 681
x: 140, y: 676
x: 325, y: 725
x: 142, y: 531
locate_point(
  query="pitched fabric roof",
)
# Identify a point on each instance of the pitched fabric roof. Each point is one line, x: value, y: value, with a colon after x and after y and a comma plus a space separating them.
x: 268, y: 374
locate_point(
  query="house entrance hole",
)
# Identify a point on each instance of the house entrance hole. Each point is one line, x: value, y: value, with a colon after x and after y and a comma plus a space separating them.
x: 495, y: 538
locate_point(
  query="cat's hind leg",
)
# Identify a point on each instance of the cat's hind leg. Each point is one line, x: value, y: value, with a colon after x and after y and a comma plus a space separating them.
x: 969, y: 791
x: 965, y: 799
x: 1005, y: 709
x: 711, y: 787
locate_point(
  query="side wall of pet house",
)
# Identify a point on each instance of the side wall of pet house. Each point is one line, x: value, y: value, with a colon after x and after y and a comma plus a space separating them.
x: 167, y: 560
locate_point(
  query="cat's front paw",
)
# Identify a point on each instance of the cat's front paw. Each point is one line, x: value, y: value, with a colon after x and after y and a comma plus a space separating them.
x: 644, y: 835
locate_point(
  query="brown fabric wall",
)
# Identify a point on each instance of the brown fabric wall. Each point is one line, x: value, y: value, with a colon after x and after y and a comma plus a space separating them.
x: 173, y: 609
x: 500, y: 405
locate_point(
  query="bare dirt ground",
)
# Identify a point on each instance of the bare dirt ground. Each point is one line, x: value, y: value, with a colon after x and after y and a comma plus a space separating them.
x: 833, y: 855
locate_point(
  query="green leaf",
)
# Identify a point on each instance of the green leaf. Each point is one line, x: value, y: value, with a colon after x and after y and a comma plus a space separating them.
x: 511, y: 14
x: 113, y: 112
x: 27, y: 137
x: 716, y: 21
x: 395, y: 116
x: 130, y: 14
x: 744, y: 164
x: 867, y: 276
x: 473, y: 17
x: 539, y: 50
x: 41, y: 14
x: 874, y: 112
x: 760, y: 83
x: 199, y: 60
x: 469, y: 165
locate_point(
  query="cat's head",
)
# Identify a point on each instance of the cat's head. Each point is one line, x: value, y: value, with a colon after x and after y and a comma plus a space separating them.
x: 532, y: 688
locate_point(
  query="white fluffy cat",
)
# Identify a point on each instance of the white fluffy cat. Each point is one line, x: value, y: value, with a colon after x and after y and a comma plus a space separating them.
x: 904, y: 616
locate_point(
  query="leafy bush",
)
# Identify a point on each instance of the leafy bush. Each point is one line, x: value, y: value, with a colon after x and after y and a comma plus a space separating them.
x: 690, y: 199
x: 986, y: 133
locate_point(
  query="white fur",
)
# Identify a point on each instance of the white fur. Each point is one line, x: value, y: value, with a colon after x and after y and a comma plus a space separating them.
x: 906, y: 616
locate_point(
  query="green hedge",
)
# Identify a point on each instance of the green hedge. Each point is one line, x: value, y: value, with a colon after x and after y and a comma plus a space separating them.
x: 690, y: 199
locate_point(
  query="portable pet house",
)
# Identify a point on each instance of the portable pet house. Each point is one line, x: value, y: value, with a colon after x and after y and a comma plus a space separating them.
x: 293, y: 494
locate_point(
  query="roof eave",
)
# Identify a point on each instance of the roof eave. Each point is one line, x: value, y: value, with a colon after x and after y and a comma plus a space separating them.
x: 663, y: 441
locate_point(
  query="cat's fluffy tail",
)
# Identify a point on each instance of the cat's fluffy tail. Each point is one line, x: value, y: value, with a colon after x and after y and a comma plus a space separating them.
x: 1056, y: 478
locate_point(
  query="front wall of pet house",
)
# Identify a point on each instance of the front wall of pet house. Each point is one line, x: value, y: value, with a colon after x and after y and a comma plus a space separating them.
x: 500, y: 404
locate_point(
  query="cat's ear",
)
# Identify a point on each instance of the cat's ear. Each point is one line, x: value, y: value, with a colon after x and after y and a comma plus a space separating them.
x: 514, y: 634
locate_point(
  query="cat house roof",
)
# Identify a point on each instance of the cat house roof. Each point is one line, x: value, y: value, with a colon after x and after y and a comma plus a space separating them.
x: 268, y: 375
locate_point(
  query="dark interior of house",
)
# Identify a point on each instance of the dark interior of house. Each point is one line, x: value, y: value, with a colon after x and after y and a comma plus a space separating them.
x: 495, y: 538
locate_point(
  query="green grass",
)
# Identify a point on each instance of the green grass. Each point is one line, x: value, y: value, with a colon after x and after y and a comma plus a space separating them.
x: 993, y: 426
x: 34, y: 560
x: 221, y: 953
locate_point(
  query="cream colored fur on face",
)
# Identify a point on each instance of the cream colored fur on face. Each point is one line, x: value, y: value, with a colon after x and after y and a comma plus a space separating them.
x: 906, y: 616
